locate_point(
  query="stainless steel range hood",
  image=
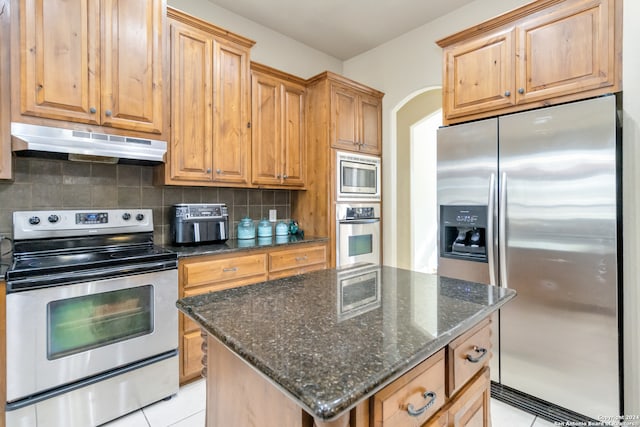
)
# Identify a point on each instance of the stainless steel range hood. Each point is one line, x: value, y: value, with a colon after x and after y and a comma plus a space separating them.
x: 45, y: 141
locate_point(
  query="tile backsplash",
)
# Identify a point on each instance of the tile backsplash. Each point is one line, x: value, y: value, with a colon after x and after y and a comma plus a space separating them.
x: 41, y: 184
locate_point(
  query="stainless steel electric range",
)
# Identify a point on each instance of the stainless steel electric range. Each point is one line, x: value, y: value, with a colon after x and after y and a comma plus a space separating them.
x: 91, y: 317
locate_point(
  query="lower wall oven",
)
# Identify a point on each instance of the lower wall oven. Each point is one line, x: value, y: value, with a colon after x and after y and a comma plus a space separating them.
x: 91, y: 329
x: 357, y: 233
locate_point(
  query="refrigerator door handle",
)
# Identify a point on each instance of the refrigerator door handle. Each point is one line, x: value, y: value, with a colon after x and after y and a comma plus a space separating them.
x: 502, y: 231
x: 490, y: 236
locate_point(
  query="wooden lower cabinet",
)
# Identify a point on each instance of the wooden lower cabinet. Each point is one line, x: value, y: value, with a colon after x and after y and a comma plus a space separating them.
x: 211, y: 273
x: 471, y: 408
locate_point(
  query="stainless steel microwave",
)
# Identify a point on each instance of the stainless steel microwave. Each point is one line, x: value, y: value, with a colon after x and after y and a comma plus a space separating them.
x: 358, y: 177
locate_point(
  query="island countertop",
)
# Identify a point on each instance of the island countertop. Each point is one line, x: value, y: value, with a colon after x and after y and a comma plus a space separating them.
x: 331, y: 338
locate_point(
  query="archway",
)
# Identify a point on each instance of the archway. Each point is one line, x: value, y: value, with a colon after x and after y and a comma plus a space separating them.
x: 416, y: 121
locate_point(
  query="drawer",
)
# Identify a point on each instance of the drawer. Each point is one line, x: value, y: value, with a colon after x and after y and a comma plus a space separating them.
x: 413, y: 391
x: 249, y: 280
x: 218, y: 270
x: 296, y: 258
x: 297, y: 270
x: 467, y: 355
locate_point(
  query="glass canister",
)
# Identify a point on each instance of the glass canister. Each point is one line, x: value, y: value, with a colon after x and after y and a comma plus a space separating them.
x: 246, y: 229
x: 264, y: 228
x: 282, y: 229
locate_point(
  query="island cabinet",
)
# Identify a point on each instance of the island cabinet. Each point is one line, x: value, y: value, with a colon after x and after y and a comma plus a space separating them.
x: 210, y: 273
x: 210, y: 138
x: 543, y: 53
x: 5, y: 98
x: 450, y: 388
x: 97, y: 62
x: 418, y: 398
x: 278, y: 128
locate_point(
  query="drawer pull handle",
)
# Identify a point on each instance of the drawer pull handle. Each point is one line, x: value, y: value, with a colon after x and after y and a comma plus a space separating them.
x: 301, y: 258
x: 482, y: 351
x: 417, y: 412
x: 230, y: 270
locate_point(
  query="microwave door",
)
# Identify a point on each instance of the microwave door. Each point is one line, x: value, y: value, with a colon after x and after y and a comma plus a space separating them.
x: 358, y: 178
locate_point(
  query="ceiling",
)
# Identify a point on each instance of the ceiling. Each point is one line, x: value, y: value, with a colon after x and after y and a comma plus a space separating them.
x: 341, y: 28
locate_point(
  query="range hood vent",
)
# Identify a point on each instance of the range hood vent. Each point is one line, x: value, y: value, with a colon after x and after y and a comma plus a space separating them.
x: 45, y: 141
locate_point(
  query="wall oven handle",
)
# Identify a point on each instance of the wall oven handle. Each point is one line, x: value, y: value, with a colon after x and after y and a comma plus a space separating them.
x: 360, y: 221
x: 502, y: 243
x: 490, y: 236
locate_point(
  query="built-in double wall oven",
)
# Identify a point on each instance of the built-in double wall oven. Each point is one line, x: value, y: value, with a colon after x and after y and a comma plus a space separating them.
x: 358, y: 228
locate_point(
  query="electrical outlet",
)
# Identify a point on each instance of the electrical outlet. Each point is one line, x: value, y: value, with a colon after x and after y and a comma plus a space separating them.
x: 272, y: 215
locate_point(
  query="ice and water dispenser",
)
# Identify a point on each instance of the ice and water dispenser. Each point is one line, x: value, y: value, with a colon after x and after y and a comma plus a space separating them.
x: 463, y: 232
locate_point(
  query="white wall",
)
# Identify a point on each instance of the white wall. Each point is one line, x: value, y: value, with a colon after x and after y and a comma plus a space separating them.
x: 631, y: 203
x: 402, y: 67
x: 272, y: 48
x: 413, y: 61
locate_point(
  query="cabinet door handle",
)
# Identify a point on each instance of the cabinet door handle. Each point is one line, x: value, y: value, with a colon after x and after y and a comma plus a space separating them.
x: 218, y: 171
x: 278, y: 176
x: 208, y: 170
x: 301, y: 258
x: 482, y: 351
x: 230, y: 269
x: 521, y: 90
x: 108, y: 113
x: 507, y: 93
x: 285, y: 176
x: 417, y: 412
x: 92, y: 110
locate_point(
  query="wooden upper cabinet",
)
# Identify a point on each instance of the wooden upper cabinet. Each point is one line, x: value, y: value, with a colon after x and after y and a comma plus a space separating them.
x: 210, y: 105
x: 370, y: 124
x: 5, y: 107
x: 278, y: 128
x: 480, y: 74
x: 546, y: 52
x: 132, y: 54
x: 570, y: 49
x: 190, y: 156
x: 232, y: 112
x: 92, y: 61
x: 357, y: 120
x: 60, y: 75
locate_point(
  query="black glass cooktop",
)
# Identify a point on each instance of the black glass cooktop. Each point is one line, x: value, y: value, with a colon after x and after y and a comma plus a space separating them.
x: 52, y: 263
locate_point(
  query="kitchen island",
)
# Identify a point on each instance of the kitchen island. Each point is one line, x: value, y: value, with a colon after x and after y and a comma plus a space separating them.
x: 336, y: 347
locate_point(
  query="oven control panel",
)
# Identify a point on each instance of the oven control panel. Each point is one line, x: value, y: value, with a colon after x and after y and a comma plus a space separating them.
x: 92, y: 218
x: 66, y: 223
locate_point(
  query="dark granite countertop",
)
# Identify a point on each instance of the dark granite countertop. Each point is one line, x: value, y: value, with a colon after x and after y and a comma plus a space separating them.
x: 236, y: 245
x: 330, y: 339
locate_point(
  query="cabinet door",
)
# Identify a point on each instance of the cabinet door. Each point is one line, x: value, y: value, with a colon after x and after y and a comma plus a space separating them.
x: 344, y: 114
x: 371, y: 124
x: 479, y: 74
x: 190, y: 155
x: 132, y: 40
x: 566, y: 50
x: 59, y: 75
x: 471, y: 408
x: 231, y: 114
x: 265, y: 145
x: 293, y: 134
x: 5, y: 108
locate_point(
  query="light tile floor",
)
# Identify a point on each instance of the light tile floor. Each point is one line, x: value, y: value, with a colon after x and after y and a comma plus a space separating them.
x: 187, y: 409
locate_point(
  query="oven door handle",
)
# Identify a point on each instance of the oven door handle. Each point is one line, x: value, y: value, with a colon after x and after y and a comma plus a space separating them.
x: 360, y: 221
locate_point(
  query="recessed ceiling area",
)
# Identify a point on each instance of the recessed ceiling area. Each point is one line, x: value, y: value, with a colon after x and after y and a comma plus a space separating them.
x: 341, y: 28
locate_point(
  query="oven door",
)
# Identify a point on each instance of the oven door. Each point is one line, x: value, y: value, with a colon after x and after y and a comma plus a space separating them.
x: 62, y: 334
x: 358, y: 241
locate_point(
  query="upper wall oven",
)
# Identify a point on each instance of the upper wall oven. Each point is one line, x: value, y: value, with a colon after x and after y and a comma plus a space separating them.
x: 358, y: 177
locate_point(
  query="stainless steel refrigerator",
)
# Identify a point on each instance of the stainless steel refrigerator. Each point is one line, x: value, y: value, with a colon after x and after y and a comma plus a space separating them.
x: 530, y: 201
